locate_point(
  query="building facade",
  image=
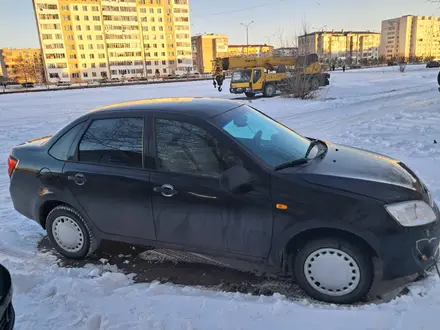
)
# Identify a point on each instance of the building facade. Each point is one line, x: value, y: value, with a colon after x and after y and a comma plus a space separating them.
x: 250, y: 50
x: 113, y: 39
x: 206, y: 48
x: 340, y: 44
x: 411, y: 37
x: 286, y: 52
x: 21, y: 65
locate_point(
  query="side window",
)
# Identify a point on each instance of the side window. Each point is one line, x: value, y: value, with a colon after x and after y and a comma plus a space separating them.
x: 60, y: 149
x: 116, y: 141
x: 185, y: 148
x: 257, y: 75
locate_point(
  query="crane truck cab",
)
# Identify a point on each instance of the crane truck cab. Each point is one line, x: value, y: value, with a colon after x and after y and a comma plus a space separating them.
x: 266, y: 75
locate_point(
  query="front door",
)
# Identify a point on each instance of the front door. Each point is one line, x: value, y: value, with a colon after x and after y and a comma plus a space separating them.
x: 108, y: 178
x: 257, y: 80
x: 190, y: 209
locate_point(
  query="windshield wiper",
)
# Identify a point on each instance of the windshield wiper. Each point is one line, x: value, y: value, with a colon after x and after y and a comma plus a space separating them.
x: 299, y: 161
x: 291, y: 163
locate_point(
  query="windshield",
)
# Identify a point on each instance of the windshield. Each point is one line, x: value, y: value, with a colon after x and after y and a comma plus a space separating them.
x: 241, y: 76
x: 263, y: 137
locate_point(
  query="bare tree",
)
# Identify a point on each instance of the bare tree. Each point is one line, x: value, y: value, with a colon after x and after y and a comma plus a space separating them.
x: 25, y: 70
x: 300, y: 83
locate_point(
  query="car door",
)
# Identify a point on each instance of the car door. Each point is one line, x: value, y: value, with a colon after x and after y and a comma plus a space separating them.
x: 107, y: 176
x: 257, y: 80
x: 190, y: 209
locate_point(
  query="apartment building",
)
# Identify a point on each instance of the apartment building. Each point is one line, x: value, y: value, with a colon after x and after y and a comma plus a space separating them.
x: 286, y: 52
x: 411, y: 36
x: 250, y: 50
x: 206, y: 48
x: 2, y: 66
x: 113, y: 39
x: 21, y: 65
x: 340, y: 44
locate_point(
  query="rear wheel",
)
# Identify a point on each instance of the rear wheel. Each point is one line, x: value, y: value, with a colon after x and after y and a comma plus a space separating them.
x: 249, y: 94
x: 69, y: 233
x: 334, y: 271
x: 269, y: 90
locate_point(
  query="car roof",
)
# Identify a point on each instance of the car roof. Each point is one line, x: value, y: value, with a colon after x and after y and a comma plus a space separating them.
x: 197, y: 106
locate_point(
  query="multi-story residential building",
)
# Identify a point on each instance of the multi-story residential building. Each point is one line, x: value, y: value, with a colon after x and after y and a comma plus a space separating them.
x: 410, y: 37
x: 21, y: 65
x: 94, y: 39
x: 340, y: 44
x: 286, y: 51
x: 250, y: 50
x: 206, y: 48
x: 2, y: 66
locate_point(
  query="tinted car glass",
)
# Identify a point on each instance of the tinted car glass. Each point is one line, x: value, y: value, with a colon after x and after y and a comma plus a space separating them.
x: 60, y: 150
x: 114, y: 142
x: 185, y: 148
x: 263, y: 137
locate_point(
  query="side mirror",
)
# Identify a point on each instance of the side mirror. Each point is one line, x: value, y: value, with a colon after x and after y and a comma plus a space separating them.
x: 236, y: 180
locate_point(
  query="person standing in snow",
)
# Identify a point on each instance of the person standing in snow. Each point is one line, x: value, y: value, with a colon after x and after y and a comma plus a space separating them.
x: 343, y: 68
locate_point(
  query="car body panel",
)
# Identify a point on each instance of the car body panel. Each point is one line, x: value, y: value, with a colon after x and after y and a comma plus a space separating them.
x: 7, y: 315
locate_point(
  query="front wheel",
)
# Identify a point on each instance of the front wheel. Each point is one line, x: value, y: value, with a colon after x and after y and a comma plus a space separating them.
x: 334, y: 271
x: 270, y: 90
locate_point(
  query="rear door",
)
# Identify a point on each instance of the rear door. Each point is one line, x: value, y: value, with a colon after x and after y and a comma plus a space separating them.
x: 108, y: 178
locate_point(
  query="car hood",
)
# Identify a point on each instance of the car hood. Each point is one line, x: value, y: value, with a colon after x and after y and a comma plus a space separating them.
x: 362, y: 172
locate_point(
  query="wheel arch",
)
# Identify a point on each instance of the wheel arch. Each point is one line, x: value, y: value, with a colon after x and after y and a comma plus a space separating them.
x: 294, y: 239
x: 46, y: 207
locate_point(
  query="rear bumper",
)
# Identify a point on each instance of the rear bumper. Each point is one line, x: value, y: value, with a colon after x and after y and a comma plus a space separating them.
x: 410, y: 252
x: 22, y: 204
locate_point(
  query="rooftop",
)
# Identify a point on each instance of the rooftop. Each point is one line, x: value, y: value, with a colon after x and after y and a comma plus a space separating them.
x: 197, y: 106
x: 339, y: 32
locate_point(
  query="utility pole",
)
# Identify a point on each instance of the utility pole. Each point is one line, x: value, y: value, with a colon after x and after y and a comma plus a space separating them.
x: 247, y: 36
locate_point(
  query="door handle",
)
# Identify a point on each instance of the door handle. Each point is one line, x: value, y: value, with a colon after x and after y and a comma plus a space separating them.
x: 78, y: 178
x: 166, y: 190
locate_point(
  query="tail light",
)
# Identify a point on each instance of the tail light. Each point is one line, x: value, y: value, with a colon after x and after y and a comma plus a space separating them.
x: 12, y: 164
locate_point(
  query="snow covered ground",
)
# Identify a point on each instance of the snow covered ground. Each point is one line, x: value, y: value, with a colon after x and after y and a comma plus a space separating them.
x: 379, y: 109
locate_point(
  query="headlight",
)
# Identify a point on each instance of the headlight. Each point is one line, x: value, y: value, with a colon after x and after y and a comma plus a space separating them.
x: 411, y: 213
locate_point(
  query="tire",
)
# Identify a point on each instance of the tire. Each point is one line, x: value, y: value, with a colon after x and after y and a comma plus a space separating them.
x: 249, y: 94
x: 315, y: 84
x: 270, y: 90
x: 336, y: 255
x: 69, y: 222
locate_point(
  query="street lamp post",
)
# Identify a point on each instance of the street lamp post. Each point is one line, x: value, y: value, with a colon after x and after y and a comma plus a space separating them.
x: 247, y: 36
x: 269, y: 38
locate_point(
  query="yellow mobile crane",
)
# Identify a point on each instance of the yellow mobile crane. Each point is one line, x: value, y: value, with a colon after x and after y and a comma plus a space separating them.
x: 253, y: 75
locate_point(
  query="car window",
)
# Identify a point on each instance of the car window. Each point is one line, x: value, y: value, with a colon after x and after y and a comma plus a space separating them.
x: 186, y: 148
x: 60, y: 149
x: 263, y: 137
x: 116, y: 141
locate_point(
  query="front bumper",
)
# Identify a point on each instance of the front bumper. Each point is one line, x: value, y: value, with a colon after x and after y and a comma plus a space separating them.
x: 240, y: 90
x: 412, y: 251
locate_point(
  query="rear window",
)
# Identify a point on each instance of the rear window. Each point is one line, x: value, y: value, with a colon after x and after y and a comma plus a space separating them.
x: 60, y: 150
